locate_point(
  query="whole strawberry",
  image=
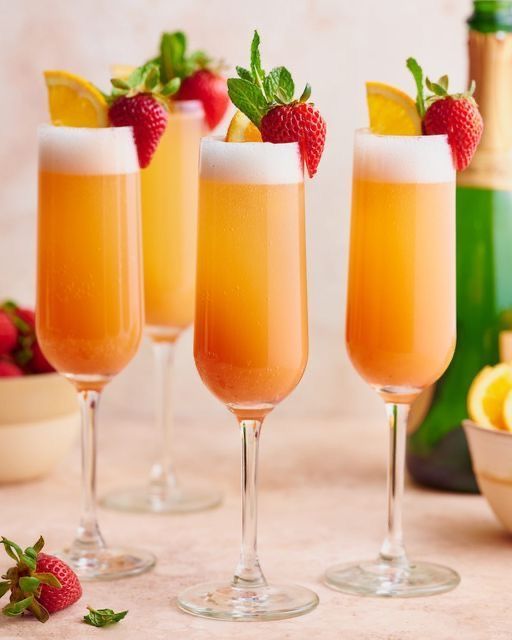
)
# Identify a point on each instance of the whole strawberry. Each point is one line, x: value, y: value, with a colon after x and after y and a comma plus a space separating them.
x: 268, y: 101
x: 39, y: 583
x: 140, y: 102
x: 8, y: 333
x: 456, y: 116
x: 211, y: 89
x: 199, y: 75
x: 39, y: 363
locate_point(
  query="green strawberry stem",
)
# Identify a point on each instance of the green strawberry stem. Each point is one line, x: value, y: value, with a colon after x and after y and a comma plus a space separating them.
x: 255, y: 92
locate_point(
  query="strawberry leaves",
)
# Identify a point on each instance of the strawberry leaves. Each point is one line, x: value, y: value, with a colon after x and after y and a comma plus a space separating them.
x: 144, y: 79
x: 103, y: 617
x: 255, y: 93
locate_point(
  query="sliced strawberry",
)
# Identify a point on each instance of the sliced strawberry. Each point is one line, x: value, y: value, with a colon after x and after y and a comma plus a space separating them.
x: 148, y: 118
x: 211, y: 89
x: 460, y: 119
x: 297, y: 122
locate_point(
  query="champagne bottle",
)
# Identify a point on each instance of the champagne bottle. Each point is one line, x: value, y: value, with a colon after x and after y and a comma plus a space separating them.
x: 437, y: 451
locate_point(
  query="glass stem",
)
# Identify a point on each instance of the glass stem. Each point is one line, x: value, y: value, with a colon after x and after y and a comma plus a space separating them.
x: 248, y: 572
x: 88, y: 536
x: 393, y: 549
x: 162, y: 477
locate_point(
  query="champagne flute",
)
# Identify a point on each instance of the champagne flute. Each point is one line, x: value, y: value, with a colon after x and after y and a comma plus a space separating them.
x: 89, y: 296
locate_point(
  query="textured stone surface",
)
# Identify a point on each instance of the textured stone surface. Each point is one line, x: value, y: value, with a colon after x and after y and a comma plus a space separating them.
x: 322, y: 499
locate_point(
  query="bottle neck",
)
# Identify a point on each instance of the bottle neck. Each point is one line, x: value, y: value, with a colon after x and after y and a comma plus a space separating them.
x: 490, y: 65
x: 491, y: 16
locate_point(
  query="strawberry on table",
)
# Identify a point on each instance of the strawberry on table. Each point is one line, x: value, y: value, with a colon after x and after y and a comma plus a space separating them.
x: 39, y: 583
x: 268, y: 101
x: 200, y: 76
x: 140, y: 101
x: 454, y: 115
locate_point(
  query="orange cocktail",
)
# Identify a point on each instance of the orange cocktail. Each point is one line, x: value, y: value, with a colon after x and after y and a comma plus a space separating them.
x: 401, y: 291
x: 89, y: 295
x: 169, y: 223
x: 251, y: 340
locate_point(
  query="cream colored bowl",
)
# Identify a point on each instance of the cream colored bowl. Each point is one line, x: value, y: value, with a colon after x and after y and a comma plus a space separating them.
x: 39, y: 421
x: 491, y: 454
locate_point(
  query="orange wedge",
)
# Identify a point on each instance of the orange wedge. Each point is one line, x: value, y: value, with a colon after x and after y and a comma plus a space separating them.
x: 488, y: 397
x: 241, y: 129
x: 392, y: 112
x: 75, y: 102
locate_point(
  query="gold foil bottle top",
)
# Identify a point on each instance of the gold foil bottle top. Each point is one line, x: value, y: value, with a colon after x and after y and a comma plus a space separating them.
x: 490, y: 65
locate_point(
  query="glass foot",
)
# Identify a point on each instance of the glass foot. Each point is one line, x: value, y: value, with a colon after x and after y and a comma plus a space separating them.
x: 108, y: 564
x: 385, y: 579
x: 175, y: 500
x: 227, y: 602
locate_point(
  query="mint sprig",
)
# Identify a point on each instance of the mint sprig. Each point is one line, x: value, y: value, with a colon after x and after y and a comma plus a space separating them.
x: 173, y: 58
x: 438, y: 90
x: 255, y: 92
x: 103, y: 617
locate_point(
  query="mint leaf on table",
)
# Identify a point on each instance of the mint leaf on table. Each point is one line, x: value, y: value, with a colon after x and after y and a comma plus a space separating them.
x: 103, y: 617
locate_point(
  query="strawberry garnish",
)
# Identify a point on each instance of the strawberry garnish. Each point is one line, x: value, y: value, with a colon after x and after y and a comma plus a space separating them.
x: 268, y: 101
x: 454, y: 115
x: 39, y: 583
x: 211, y: 89
x: 140, y: 102
x: 199, y: 75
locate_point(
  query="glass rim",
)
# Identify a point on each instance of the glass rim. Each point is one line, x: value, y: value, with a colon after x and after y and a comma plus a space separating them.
x: 48, y: 126
x: 365, y: 131
x: 266, y: 145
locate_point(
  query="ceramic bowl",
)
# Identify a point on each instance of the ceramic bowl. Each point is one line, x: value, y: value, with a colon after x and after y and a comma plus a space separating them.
x: 39, y: 421
x: 491, y: 455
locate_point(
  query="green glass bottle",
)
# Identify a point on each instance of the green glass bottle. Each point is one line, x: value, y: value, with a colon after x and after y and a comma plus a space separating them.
x: 437, y: 453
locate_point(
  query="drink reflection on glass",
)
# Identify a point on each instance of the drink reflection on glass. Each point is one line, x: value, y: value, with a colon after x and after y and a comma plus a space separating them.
x: 400, y: 318
x: 251, y: 341
x: 89, y: 295
x: 169, y: 233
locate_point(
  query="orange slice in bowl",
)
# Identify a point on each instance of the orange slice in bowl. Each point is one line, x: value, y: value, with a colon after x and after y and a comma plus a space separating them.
x: 392, y: 112
x: 241, y: 129
x: 488, y: 394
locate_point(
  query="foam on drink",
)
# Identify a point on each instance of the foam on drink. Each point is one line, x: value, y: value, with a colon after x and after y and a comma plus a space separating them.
x: 81, y: 151
x: 250, y: 162
x: 402, y: 159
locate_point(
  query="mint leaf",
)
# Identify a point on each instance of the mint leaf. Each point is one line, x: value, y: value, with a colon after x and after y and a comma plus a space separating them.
x: 245, y: 74
x: 248, y: 98
x: 279, y: 85
x: 417, y: 73
x: 17, y: 608
x: 257, y: 72
x: 172, y: 55
x: 103, y: 617
x: 4, y: 588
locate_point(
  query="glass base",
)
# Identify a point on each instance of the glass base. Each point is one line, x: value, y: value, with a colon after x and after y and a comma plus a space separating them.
x: 385, y: 579
x: 174, y: 500
x: 227, y: 602
x: 108, y: 564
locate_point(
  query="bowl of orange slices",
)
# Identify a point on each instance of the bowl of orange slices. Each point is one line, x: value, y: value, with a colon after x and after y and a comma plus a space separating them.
x: 489, y: 435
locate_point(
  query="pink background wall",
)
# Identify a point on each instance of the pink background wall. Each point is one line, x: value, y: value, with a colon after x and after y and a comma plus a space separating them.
x: 334, y: 44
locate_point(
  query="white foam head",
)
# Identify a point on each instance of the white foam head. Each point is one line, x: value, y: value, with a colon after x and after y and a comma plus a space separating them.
x: 420, y: 159
x: 79, y: 151
x: 250, y: 162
